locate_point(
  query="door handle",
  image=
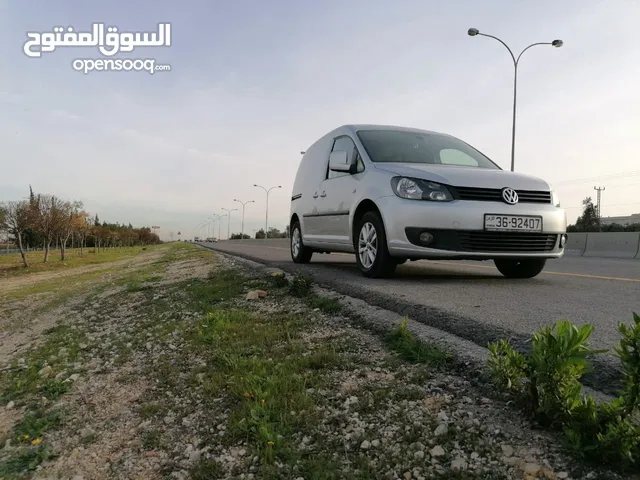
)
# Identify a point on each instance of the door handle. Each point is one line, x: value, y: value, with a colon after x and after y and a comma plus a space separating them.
x: 324, y: 194
x: 315, y: 195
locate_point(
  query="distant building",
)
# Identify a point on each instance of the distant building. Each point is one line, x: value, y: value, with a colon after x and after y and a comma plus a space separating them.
x: 628, y: 220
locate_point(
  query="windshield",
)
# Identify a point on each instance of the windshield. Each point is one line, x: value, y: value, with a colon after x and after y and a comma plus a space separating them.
x: 399, y: 146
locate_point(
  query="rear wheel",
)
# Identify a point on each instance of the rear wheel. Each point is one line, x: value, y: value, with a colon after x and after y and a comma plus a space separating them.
x: 372, y: 254
x: 523, y: 268
x: 299, y: 253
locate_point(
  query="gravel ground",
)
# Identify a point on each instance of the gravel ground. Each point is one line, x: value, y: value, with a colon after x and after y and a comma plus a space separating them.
x: 138, y: 397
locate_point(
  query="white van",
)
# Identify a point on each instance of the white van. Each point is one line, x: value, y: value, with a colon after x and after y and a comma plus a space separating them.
x: 389, y: 194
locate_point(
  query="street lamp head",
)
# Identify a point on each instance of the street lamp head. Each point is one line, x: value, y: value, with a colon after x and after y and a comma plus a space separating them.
x: 472, y: 32
x: 557, y: 43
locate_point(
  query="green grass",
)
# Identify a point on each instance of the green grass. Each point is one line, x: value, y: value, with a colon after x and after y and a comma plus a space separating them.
x: 141, y: 281
x: 206, y: 470
x: 26, y: 383
x: 152, y: 439
x: 326, y: 305
x: 35, y: 423
x: 23, y: 462
x: 259, y: 364
x: 414, y: 350
x: 71, y: 285
x: 260, y: 369
x: 151, y: 410
x: 11, y: 265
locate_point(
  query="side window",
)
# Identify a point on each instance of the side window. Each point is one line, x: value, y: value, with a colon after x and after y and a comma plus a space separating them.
x: 450, y: 156
x: 345, y: 144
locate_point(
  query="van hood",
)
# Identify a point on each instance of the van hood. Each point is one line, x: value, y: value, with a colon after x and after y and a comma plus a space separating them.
x: 466, y: 176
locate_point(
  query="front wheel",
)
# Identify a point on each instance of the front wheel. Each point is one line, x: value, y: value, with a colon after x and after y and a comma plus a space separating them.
x: 299, y: 253
x: 523, y: 268
x: 372, y: 254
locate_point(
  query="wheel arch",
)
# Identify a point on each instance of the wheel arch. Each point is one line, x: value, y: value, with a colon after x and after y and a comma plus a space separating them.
x: 365, y: 205
x: 293, y: 220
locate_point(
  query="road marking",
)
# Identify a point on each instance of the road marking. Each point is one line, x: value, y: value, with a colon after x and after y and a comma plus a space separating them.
x: 448, y: 264
x: 566, y: 274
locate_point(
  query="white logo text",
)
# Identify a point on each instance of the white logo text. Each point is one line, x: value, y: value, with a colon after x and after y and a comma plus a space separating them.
x: 108, y: 40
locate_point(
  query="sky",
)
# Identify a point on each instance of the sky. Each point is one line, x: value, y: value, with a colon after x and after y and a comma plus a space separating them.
x: 254, y: 83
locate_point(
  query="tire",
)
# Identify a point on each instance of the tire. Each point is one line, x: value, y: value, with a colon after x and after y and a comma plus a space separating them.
x: 299, y: 253
x: 400, y: 260
x: 523, y: 268
x: 383, y: 265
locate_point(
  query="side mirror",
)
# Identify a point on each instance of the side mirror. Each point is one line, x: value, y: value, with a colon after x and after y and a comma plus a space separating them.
x: 339, y: 162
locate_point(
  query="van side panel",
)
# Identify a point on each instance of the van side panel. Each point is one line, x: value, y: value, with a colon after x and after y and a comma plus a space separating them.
x: 310, y: 175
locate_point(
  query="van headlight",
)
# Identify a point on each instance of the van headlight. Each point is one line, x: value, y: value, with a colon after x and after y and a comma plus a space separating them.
x: 417, y: 189
x: 555, y: 199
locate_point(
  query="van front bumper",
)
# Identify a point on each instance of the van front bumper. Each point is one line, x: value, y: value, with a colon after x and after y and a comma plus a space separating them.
x: 455, y: 230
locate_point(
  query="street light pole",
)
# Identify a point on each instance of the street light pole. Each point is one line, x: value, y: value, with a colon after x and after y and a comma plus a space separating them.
x: 556, y: 43
x: 243, y: 205
x: 220, y: 217
x: 266, y: 216
x: 215, y: 217
x: 229, y: 221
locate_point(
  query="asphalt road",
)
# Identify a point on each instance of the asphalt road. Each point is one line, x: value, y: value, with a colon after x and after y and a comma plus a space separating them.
x: 474, y: 301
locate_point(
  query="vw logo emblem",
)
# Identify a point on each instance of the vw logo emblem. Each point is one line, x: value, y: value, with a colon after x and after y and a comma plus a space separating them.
x: 510, y: 196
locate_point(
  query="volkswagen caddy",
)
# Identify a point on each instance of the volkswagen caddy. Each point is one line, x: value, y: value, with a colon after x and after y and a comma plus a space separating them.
x: 391, y: 194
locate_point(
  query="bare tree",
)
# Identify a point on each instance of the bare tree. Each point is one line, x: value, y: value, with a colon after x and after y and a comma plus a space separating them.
x: 81, y: 229
x: 49, y: 215
x: 66, y: 224
x: 15, y: 219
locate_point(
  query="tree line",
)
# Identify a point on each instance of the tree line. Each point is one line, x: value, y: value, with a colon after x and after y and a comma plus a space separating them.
x: 271, y: 233
x: 589, y: 221
x: 49, y: 221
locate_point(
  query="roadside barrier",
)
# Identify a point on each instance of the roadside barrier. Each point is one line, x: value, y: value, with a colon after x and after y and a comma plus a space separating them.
x: 579, y: 244
x: 610, y: 244
x: 576, y: 244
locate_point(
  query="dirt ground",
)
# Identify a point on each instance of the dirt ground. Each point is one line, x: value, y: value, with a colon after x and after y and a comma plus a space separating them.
x: 22, y: 320
x: 159, y: 367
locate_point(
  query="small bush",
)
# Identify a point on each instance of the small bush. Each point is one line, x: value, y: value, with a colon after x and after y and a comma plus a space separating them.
x: 300, y: 286
x: 546, y: 381
x: 279, y: 280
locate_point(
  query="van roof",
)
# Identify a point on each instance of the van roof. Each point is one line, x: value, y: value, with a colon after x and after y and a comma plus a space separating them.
x: 355, y: 127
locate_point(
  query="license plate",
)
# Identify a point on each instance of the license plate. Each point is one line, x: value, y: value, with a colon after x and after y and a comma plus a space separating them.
x: 512, y: 223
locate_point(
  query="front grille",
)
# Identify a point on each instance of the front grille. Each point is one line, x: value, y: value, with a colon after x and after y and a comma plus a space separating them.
x: 507, y: 241
x: 495, y: 195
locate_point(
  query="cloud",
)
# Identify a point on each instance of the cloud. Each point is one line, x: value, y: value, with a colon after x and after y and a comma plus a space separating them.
x: 250, y: 88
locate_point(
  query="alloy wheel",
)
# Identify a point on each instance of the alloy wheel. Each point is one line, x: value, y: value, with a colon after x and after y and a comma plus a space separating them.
x: 295, y: 242
x: 367, y: 245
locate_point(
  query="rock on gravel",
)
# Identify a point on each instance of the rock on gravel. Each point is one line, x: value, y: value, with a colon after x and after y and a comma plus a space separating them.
x: 437, y: 451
